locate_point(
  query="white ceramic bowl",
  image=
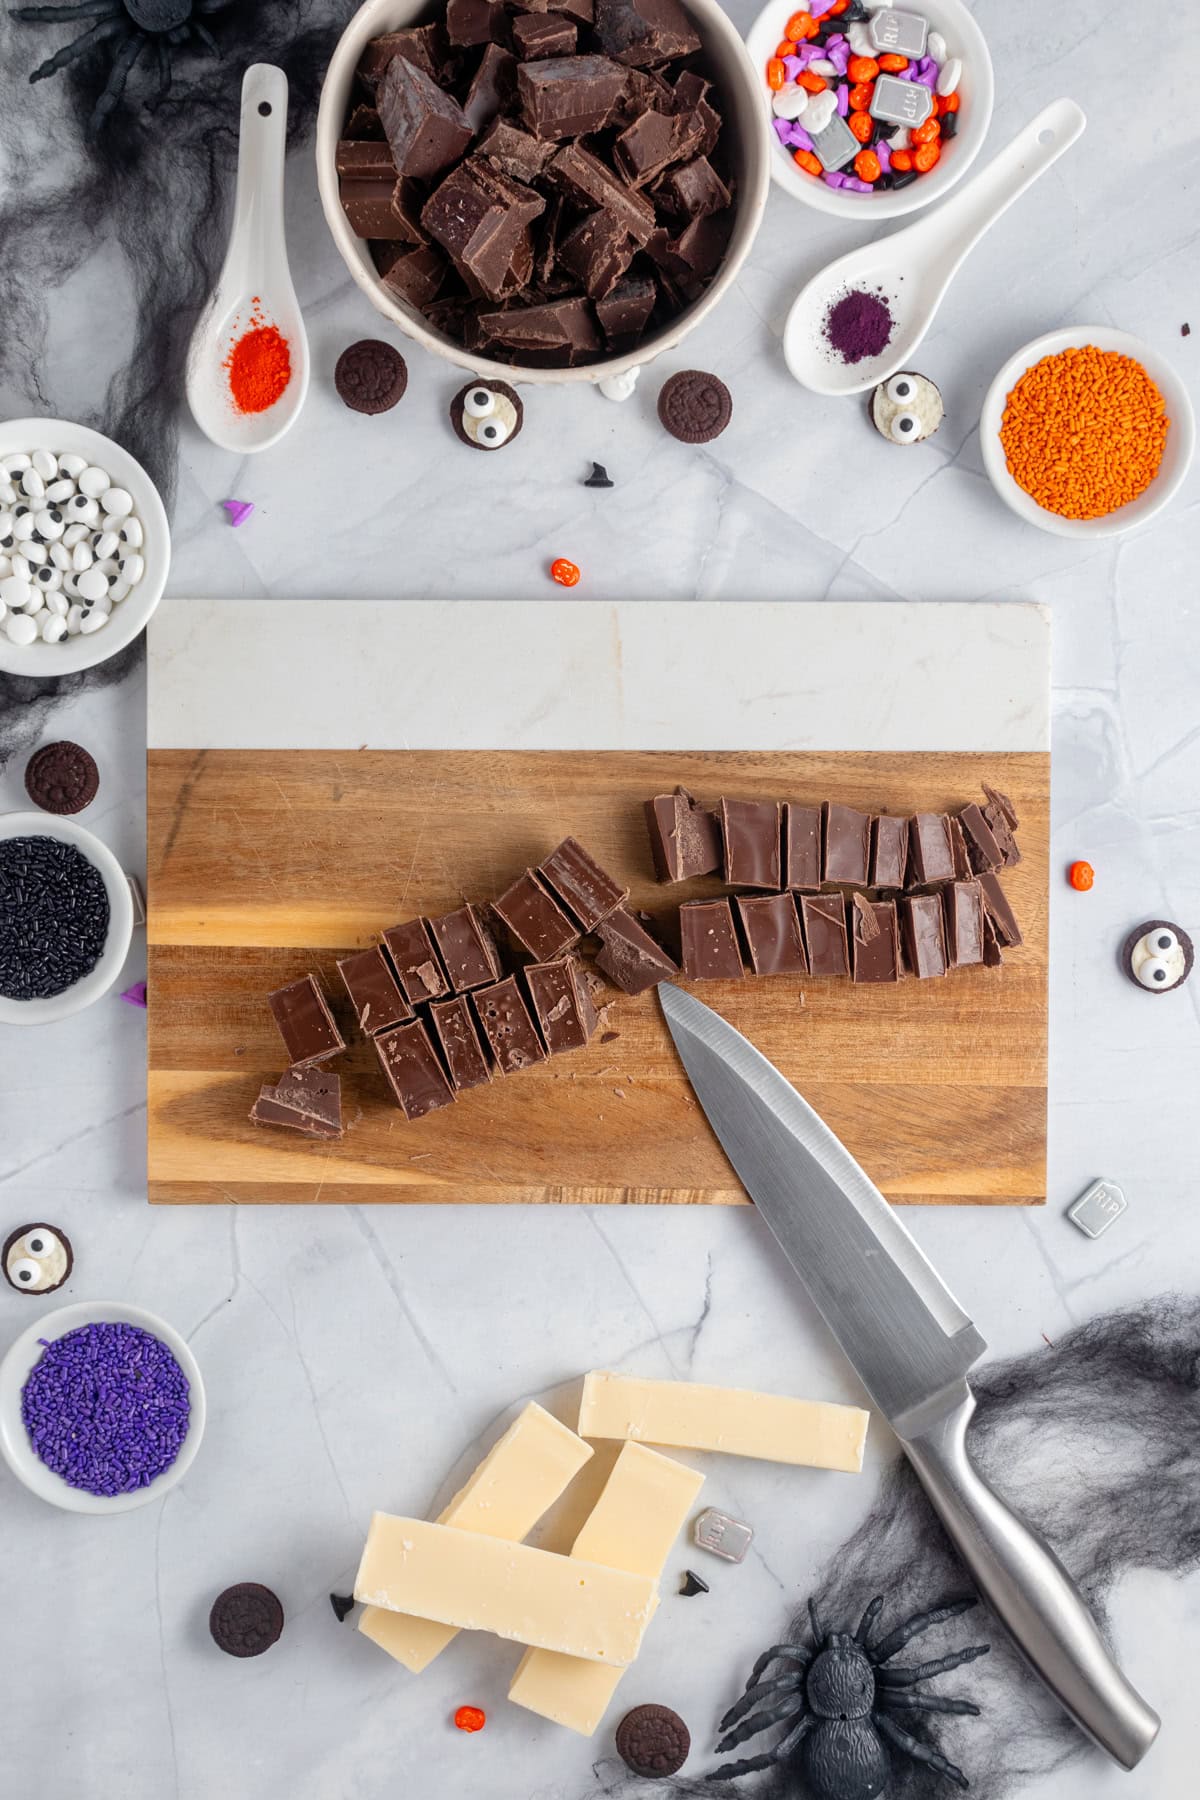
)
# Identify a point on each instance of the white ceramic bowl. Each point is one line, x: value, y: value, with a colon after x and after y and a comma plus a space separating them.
x: 129, y: 618
x: 1177, y: 456
x: 742, y: 137
x: 977, y: 87
x: 120, y: 919
x: 15, y: 1369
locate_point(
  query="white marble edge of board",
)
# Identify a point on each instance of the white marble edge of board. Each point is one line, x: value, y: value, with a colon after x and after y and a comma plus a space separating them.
x: 717, y: 675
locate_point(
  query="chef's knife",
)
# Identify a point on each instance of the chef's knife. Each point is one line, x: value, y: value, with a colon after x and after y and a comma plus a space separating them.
x: 912, y: 1345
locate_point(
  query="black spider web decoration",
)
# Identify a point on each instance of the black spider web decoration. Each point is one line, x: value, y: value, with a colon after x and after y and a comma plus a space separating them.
x: 1128, y: 1381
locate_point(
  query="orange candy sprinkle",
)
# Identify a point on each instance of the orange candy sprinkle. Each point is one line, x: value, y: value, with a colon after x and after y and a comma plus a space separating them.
x: 892, y: 64
x: 785, y: 48
x: 566, y: 573
x: 862, y: 68
x: 808, y: 161
x: 776, y: 73
x: 867, y: 166
x: 801, y: 25
x: 947, y: 103
x: 862, y: 125
x: 816, y: 84
x: 861, y: 96
x: 927, y: 156
x: 926, y: 133
x: 1081, y: 875
x: 1084, y: 432
x: 470, y: 1718
x: 902, y: 160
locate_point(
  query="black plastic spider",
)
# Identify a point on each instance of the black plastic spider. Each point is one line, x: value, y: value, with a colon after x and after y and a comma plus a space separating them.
x: 129, y: 28
x: 838, y: 1703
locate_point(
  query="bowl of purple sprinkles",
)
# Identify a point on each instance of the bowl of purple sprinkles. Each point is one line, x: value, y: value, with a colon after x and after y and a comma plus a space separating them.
x: 101, y: 1408
x: 66, y: 918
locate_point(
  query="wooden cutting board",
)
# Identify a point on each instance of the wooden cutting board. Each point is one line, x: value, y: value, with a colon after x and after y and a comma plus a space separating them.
x: 262, y: 867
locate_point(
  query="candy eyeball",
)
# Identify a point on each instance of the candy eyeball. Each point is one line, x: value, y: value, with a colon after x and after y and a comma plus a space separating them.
x: 37, y: 1259
x: 487, y: 414
x: 907, y: 408
x: 1158, y: 956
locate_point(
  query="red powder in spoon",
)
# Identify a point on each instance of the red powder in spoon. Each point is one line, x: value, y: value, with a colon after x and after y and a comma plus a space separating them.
x: 259, y: 365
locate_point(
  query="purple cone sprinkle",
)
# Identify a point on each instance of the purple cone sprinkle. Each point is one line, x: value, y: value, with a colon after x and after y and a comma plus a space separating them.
x: 860, y: 324
x: 107, y: 1408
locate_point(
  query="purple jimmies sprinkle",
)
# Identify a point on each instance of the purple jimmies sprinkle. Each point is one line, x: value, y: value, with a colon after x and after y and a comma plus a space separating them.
x: 106, y: 1407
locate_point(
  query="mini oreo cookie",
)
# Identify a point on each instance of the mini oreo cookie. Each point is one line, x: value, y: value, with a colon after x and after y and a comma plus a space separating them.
x: 246, y: 1619
x: 62, y: 778
x: 487, y: 414
x: 37, y: 1259
x: 371, y: 376
x: 695, y: 407
x: 653, y: 1740
x: 1158, y: 956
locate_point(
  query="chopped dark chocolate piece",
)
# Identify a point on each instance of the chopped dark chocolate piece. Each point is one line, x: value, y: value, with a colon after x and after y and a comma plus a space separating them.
x: 588, y: 892
x: 1008, y: 932
x: 696, y: 251
x: 645, y: 91
x: 367, y: 205
x: 709, y: 940
x: 416, y: 962
x: 491, y: 86
x: 416, y: 275
x: 847, y: 834
x: 629, y: 956
x: 958, y: 849
x: 574, y: 9
x: 693, y: 190
x: 561, y: 1004
x: 982, y: 847
x: 517, y: 152
x: 889, y: 851
x: 305, y: 1100
x: 652, y: 143
x: 454, y: 1029
x: 685, y: 838
x: 932, y: 854
x: 1000, y: 803
x: 476, y: 22
x: 924, y: 935
x: 1003, y: 821
x: 481, y: 217
x: 689, y: 96
x: 644, y: 33
x: 569, y: 96
x: 364, y: 122
x: 587, y: 181
x: 597, y: 251
x: 508, y: 1027
x: 367, y: 160
x: 625, y: 313
x: 535, y: 919
x: 751, y: 831
x: 548, y: 35
x: 376, y: 998
x: 874, y: 939
x: 305, y: 1022
x: 407, y: 201
x: 468, y: 950
x: 992, y: 954
x: 824, y: 919
x: 771, y: 927
x: 415, y: 1075
x: 964, y: 923
x: 802, y: 847
x: 557, y: 333
x: 426, y: 127
x: 424, y: 46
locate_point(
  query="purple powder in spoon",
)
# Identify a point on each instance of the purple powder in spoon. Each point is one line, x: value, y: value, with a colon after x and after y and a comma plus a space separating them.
x: 106, y: 1407
x: 859, y: 325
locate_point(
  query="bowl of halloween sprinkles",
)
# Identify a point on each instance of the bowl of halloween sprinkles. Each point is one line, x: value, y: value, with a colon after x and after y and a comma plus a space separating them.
x: 1087, y: 432
x: 66, y: 918
x: 872, y: 110
x: 102, y: 1407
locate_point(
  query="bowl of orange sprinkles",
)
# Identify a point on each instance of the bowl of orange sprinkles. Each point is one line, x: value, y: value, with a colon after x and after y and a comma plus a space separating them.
x: 1087, y: 432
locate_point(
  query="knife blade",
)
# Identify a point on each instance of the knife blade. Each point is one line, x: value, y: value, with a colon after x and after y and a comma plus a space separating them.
x: 912, y: 1345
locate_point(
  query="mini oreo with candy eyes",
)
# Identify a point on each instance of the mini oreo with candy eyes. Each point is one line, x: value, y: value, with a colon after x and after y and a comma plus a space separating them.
x: 653, y: 1740
x: 1158, y: 956
x: 37, y: 1258
x: 246, y: 1619
x: 694, y: 407
x: 371, y: 376
x: 907, y: 408
x: 487, y: 414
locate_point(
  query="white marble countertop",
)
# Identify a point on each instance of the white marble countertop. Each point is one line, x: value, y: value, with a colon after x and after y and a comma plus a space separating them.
x: 352, y: 1357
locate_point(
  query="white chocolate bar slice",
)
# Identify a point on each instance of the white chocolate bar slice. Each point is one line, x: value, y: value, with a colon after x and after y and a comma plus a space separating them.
x: 634, y: 1523
x: 736, y: 1421
x: 521, y: 1476
x: 488, y: 1584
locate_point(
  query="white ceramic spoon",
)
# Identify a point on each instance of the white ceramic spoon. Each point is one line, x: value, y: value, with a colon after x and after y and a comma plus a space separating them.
x: 913, y: 268
x: 255, y: 269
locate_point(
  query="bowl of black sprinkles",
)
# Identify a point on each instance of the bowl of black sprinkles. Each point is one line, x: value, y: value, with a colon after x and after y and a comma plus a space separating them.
x: 66, y: 918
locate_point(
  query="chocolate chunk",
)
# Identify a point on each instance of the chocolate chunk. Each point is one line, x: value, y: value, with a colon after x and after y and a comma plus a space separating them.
x: 369, y: 161
x: 246, y: 1619
x: 426, y: 128
x: 710, y: 946
x: 62, y: 778
x: 476, y: 22
x: 586, y: 180
x: 644, y: 33
x: 685, y: 839
x: 407, y: 201
x: 454, y: 1029
x: 1000, y: 803
x: 534, y: 918
x: 424, y: 46
x: 370, y: 376
x: 889, y: 851
x: 771, y: 927
x: 305, y: 1100
x: 555, y: 334
x: 958, y: 849
x: 697, y: 250
x: 468, y: 950
x: 374, y: 994
x: 364, y: 122
x: 598, y: 252
x: 874, y: 939
x: 802, y: 847
x: 491, y: 86
x: 588, y: 892
x: 694, y: 407
x: 693, y: 190
x: 645, y: 91
x: 992, y: 954
x: 508, y: 1027
x: 982, y: 845
x: 416, y: 962
x: 995, y: 900
x: 847, y: 834
x: 653, y: 1740
x: 518, y: 153
x: 561, y: 1004
x: 367, y: 205
x: 964, y: 923
x: 624, y: 313
x: 924, y: 935
x: 652, y: 143
x: 629, y: 956
x: 547, y: 36
x: 689, y: 97
x: 580, y: 10
x: 415, y: 1075
x: 487, y: 429
x: 1003, y: 821
x: 305, y: 1023
x: 751, y: 832
x: 417, y: 276
x: 824, y: 919
x: 569, y: 96
x: 481, y: 217
x: 931, y: 852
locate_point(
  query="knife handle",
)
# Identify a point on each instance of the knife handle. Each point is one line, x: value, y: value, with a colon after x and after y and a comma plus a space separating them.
x: 1030, y: 1592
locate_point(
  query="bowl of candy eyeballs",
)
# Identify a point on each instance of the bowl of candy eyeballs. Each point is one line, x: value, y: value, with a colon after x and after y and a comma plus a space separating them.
x: 66, y: 918
x: 84, y: 547
x: 872, y: 111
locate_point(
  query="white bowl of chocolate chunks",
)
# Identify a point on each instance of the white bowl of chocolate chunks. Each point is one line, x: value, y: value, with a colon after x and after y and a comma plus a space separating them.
x: 557, y: 191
